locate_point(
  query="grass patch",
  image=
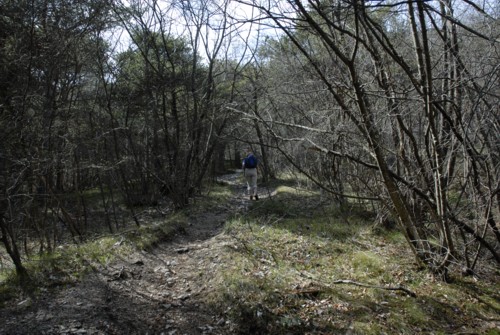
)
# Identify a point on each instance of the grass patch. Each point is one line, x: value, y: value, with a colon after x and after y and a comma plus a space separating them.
x: 367, y: 264
x: 68, y: 263
x: 212, y: 196
x: 287, y: 202
x: 289, y: 251
x: 148, y: 236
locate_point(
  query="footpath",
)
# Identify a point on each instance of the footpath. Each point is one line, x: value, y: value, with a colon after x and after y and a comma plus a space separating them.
x: 155, y: 292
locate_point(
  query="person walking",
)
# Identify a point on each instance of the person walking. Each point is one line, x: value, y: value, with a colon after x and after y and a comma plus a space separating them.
x: 249, y: 166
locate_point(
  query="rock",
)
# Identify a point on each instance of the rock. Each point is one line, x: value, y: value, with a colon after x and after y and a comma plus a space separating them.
x: 206, y: 329
x: 182, y: 250
x: 25, y: 303
x: 184, y: 297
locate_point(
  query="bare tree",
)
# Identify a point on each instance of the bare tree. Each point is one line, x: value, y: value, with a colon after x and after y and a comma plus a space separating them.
x: 410, y: 108
x: 43, y: 52
x: 182, y: 113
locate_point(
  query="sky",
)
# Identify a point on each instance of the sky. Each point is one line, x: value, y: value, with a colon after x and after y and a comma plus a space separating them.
x: 183, y: 17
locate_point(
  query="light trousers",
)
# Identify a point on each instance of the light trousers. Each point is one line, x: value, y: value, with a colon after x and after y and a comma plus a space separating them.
x: 251, y: 178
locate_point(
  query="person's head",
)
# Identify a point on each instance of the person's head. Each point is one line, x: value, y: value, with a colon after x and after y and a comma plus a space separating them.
x: 248, y: 150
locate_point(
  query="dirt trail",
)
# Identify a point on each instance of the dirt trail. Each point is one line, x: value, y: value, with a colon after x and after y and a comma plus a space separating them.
x: 155, y: 292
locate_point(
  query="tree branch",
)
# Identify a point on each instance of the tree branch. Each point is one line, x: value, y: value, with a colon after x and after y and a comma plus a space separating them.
x: 355, y: 283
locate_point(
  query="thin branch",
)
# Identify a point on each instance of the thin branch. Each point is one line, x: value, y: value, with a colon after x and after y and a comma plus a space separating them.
x: 355, y: 283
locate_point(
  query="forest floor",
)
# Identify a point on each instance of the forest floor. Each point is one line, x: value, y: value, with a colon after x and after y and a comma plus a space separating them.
x: 259, y: 267
x: 148, y: 292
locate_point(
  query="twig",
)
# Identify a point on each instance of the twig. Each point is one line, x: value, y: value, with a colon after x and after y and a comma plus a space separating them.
x: 351, y: 282
x: 390, y: 288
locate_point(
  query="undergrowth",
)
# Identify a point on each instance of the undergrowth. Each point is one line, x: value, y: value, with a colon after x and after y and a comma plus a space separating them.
x: 297, y: 264
x: 69, y: 262
x: 300, y: 265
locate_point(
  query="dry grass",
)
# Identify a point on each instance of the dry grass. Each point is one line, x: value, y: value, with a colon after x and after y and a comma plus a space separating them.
x: 291, y: 250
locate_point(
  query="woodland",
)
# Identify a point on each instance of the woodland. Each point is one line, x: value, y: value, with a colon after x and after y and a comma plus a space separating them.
x: 376, y: 124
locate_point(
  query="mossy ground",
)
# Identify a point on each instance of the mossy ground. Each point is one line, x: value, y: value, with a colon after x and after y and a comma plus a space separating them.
x: 292, y: 248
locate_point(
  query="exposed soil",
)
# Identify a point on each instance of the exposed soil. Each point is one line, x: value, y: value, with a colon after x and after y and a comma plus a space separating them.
x: 155, y: 292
